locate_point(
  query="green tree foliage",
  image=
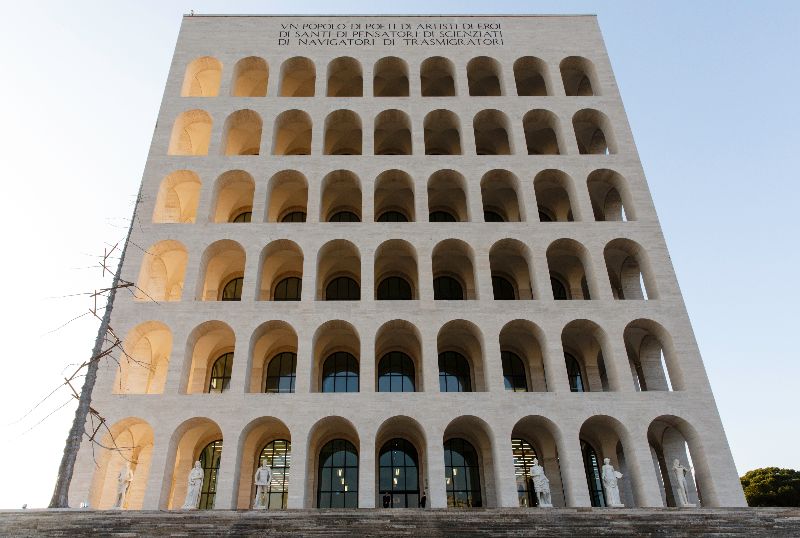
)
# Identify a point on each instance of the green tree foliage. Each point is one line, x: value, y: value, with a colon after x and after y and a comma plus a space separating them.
x: 772, y: 486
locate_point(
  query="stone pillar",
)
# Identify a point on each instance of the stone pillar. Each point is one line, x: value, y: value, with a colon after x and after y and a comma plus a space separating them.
x: 229, y: 470
x: 299, y: 472
x: 505, y: 479
x: 573, y: 473
x: 366, y: 471
x: 437, y: 494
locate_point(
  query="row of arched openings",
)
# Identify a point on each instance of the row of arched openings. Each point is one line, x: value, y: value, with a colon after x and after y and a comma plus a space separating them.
x: 345, y: 77
x: 293, y: 130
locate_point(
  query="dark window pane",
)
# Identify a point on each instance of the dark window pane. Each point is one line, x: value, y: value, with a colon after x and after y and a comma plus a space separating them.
x: 392, y: 216
x: 344, y: 216
x: 233, y: 290
x: 446, y: 288
x: 340, y: 373
x: 221, y: 373
x: 492, y: 216
x: 210, y: 458
x: 503, y: 289
x: 343, y: 289
x: 462, y: 478
x: 454, y: 374
x: 281, y: 373
x: 288, y: 289
x: 244, y: 216
x: 559, y: 290
x: 574, y: 374
x: 337, y: 475
x: 441, y: 216
x: 394, y: 288
x: 294, y: 216
x: 514, y: 372
x: 399, y: 473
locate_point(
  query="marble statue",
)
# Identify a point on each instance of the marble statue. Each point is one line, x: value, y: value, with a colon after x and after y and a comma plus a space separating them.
x: 683, y: 490
x: 610, y: 477
x: 541, y: 484
x: 124, y: 480
x: 194, y: 488
x: 262, y: 480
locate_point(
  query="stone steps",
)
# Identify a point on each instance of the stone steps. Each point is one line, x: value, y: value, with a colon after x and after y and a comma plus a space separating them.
x: 572, y: 522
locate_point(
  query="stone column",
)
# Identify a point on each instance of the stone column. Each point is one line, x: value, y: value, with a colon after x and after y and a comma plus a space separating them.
x: 505, y: 479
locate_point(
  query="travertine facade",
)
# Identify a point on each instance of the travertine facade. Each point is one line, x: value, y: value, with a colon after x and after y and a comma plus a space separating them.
x: 406, y: 157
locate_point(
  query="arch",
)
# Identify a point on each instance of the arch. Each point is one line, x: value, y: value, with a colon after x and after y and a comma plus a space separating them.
x: 569, y: 262
x: 396, y: 258
x: 491, y: 133
x: 652, y: 356
x: 629, y: 270
x: 298, y: 77
x: 404, y: 495
x: 191, y: 133
x: 401, y: 337
x: 345, y: 78
x: 233, y: 197
x: 392, y: 133
x: 526, y: 340
x: 272, y: 341
x: 130, y: 442
x: 325, y: 430
x: 292, y: 133
x: 499, y: 190
x: 510, y: 259
x: 542, y: 132
x: 206, y: 343
x: 475, y: 432
x: 593, y: 133
x: 670, y: 438
x: 554, y: 191
x: 608, y: 438
x: 437, y: 77
x: 447, y: 193
x: 202, y: 77
x: 330, y: 338
x: 177, y: 197
x: 342, y: 133
x: 442, y: 131
x: 394, y: 193
x: 337, y: 258
x: 280, y: 259
x: 544, y: 437
x: 250, y: 77
x: 610, y: 197
x: 145, y: 359
x: 587, y: 343
x: 530, y: 75
x: 455, y: 259
x: 390, y: 78
x: 579, y: 77
x: 464, y: 338
x: 340, y: 192
x: 484, y: 77
x: 287, y: 196
x: 242, y: 133
x: 271, y: 435
x: 185, y: 447
x: 162, y: 273
x: 221, y: 262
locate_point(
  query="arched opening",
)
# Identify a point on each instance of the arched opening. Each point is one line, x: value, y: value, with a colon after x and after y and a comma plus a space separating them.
x: 266, y: 440
x: 395, y: 271
x: 629, y: 270
x: 292, y: 133
x: 460, y: 348
x: 468, y: 464
x: 500, y: 199
x: 341, y: 197
x: 447, y: 197
x: 338, y: 272
x: 233, y: 197
x: 442, y: 133
x: 345, y: 78
x: 579, y: 77
x: 162, y: 272
x: 680, y: 463
x: 222, y: 263
x: 144, y: 360
x: 196, y: 440
x: 177, y: 197
x: 394, y: 197
x: 392, y: 133
x: 281, y: 271
x: 437, y: 77
x: 202, y: 77
x: 390, y: 78
x: 272, y: 364
x: 491, y: 133
x: 483, y: 77
x: 210, y: 350
x: 553, y: 190
x: 453, y: 271
x: 398, y: 352
x: 567, y: 259
x: 609, y: 195
x: 651, y: 356
x: 337, y: 351
x: 520, y: 340
x: 342, y: 133
x: 535, y: 437
x: 242, y: 133
x: 530, y: 75
x: 583, y: 342
x: 333, y: 455
x: 298, y: 77
x: 605, y: 438
x: 250, y: 77
x: 191, y: 133
x: 593, y: 133
x: 509, y: 261
x: 401, y: 468
x: 287, y: 197
x: 129, y: 454
x: 541, y: 132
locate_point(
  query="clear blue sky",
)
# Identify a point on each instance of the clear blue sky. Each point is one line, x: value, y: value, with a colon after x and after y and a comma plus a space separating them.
x: 711, y: 91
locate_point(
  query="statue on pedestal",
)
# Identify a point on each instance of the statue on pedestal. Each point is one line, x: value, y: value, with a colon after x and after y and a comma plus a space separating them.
x: 541, y: 484
x: 124, y: 480
x: 610, y: 477
x: 194, y: 488
x: 262, y: 480
x: 683, y: 490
